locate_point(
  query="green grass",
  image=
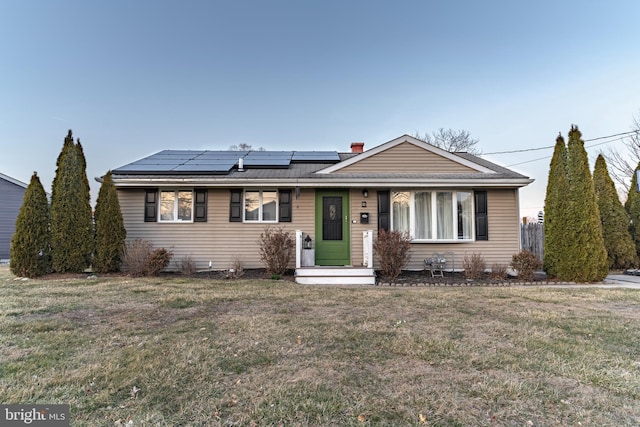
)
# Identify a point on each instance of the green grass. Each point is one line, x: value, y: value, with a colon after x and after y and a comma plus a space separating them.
x: 208, y: 352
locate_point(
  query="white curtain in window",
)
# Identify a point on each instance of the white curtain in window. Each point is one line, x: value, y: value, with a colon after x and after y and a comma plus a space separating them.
x: 444, y: 207
x: 400, y: 212
x: 423, y: 215
x: 465, y: 220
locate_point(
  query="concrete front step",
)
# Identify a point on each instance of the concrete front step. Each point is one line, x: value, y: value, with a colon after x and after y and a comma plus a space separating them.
x: 335, y: 276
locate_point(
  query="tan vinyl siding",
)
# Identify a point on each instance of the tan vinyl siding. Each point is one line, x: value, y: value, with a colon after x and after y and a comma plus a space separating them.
x: 216, y: 240
x: 406, y: 157
x: 221, y: 241
x: 357, y: 229
x: 504, y: 235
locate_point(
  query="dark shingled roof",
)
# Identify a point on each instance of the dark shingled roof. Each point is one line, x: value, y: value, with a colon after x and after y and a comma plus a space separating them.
x: 490, y: 165
x: 156, y: 167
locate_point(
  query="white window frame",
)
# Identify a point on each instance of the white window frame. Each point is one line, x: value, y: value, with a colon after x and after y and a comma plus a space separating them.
x: 260, y: 206
x: 434, y: 214
x: 176, y: 208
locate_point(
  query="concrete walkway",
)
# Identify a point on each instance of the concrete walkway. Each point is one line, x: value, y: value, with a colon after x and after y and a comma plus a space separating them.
x: 611, y: 281
x: 621, y: 281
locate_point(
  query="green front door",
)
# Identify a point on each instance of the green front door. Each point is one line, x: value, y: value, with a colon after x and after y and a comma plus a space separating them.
x: 332, y: 228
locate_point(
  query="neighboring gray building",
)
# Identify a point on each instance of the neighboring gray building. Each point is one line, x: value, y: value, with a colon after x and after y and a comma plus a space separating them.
x: 11, y: 195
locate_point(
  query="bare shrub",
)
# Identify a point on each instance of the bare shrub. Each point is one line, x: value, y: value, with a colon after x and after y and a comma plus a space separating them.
x: 526, y: 264
x: 392, y: 249
x: 236, y: 268
x: 135, y: 257
x: 474, y: 266
x: 498, y: 272
x: 157, y: 261
x: 140, y: 259
x: 187, y: 265
x: 277, y: 247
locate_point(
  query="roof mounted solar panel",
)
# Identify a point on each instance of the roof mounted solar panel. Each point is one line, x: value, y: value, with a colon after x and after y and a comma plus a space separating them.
x: 183, y: 153
x: 184, y: 162
x: 181, y: 162
x: 268, y: 159
x: 155, y: 161
x: 138, y: 168
x: 215, y: 169
x: 315, y: 156
x: 220, y: 155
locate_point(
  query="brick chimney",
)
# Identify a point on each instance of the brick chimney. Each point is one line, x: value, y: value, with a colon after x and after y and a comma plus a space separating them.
x: 357, y: 147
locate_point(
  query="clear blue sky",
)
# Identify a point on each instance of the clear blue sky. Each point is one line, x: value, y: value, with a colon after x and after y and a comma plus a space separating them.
x: 134, y: 77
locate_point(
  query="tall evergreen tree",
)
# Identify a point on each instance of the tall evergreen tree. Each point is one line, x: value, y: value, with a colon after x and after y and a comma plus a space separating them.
x: 586, y: 256
x: 83, y: 167
x: 556, y: 209
x: 621, y: 251
x: 30, y: 244
x: 632, y: 206
x: 85, y: 207
x: 110, y: 232
x: 71, y: 219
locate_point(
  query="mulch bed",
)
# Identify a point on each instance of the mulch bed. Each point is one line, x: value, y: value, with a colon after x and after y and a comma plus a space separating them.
x: 406, y: 279
x: 456, y: 279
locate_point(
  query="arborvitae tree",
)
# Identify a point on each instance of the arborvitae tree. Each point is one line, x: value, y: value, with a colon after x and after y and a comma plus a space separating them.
x: 556, y: 209
x: 110, y: 232
x: 71, y: 220
x: 85, y: 207
x: 30, y: 244
x: 621, y: 252
x: 83, y: 167
x: 586, y: 257
x: 632, y: 206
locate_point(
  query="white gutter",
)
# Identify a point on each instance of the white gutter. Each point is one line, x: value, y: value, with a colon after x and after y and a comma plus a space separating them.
x: 320, y: 183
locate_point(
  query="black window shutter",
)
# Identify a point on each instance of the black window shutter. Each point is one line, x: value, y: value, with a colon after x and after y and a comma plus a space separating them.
x: 384, y: 208
x: 481, y: 214
x: 235, y: 206
x: 200, y: 206
x: 151, y: 206
x: 285, y: 205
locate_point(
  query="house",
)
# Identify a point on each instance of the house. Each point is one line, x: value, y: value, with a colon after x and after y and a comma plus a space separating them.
x: 213, y: 205
x: 11, y: 195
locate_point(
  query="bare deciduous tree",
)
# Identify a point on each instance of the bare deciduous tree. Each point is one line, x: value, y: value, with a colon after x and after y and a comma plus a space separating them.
x: 622, y: 164
x: 244, y: 147
x: 451, y: 140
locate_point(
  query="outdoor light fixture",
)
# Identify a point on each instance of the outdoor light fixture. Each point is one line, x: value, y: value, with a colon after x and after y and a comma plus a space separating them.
x: 365, y: 193
x: 307, y: 242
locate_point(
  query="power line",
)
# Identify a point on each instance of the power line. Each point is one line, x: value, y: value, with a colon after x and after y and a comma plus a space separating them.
x: 546, y: 157
x: 553, y: 146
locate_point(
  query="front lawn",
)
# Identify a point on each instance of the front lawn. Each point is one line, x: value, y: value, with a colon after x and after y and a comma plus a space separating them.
x: 198, y: 352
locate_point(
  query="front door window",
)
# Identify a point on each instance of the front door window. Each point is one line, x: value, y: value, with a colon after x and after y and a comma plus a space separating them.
x: 331, y: 218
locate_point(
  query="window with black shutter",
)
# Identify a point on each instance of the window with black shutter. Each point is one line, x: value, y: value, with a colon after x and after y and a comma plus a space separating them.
x: 481, y: 215
x: 200, y: 205
x: 285, y: 206
x: 151, y: 205
x: 235, y: 206
x: 384, y: 208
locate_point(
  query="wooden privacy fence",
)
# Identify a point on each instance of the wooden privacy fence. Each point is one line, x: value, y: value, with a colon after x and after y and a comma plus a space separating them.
x: 532, y: 238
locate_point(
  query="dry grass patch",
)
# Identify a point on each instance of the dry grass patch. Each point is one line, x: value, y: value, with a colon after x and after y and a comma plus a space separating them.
x: 204, y: 352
